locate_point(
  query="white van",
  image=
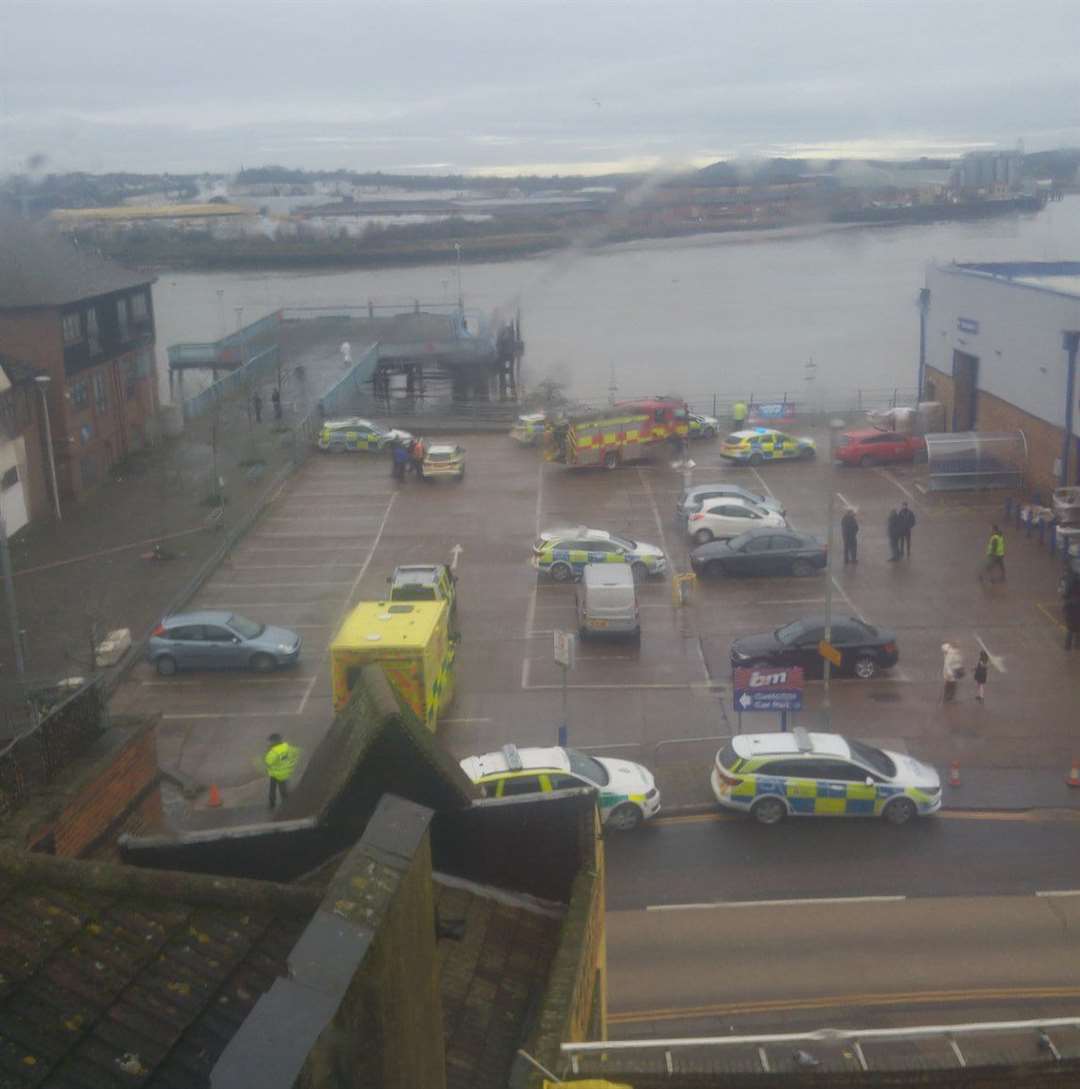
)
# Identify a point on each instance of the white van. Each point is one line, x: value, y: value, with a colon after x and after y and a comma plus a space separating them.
x: 607, y: 601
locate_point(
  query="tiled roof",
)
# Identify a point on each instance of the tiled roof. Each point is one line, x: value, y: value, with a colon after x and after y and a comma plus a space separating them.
x: 40, y: 267
x: 490, y: 978
x: 104, y: 988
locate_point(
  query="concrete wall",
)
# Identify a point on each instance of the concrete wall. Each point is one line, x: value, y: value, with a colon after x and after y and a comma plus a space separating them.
x: 1017, y: 342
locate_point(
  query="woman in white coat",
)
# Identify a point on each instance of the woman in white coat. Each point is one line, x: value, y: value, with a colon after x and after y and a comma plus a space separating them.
x: 952, y: 669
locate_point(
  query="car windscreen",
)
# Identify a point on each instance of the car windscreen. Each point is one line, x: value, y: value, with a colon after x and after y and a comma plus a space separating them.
x: 728, y: 758
x: 247, y: 628
x: 790, y: 632
x: 587, y: 767
x: 844, y: 440
x: 872, y: 758
x: 734, y: 440
x: 439, y: 456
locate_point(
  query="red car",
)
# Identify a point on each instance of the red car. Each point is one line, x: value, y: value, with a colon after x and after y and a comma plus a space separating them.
x: 872, y: 447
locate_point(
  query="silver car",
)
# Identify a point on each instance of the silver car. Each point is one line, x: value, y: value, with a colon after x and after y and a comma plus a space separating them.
x: 220, y: 639
x: 692, y: 500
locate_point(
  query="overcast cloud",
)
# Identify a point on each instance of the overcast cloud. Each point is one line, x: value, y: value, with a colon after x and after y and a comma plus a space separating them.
x: 550, y: 85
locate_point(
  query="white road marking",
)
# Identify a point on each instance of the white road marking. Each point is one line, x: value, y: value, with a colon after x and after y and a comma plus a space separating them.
x: 307, y: 693
x: 778, y: 903
x: 844, y: 499
x: 996, y: 660
x: 290, y: 566
x: 794, y: 601
x: 530, y: 613
x: 456, y: 555
x: 451, y: 721
x: 761, y: 480
x: 232, y: 683
x: 1057, y: 892
x: 277, y: 585
x: 223, y: 715
x: 850, y: 604
x: 892, y: 480
x: 656, y: 513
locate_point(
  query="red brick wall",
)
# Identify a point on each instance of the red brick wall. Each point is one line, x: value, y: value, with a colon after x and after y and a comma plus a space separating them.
x: 125, y: 791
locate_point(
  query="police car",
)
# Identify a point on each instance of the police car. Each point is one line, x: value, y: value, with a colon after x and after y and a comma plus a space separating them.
x: 529, y: 429
x: 802, y: 774
x: 357, y: 434
x: 760, y: 444
x: 703, y: 427
x: 627, y: 791
x: 564, y: 553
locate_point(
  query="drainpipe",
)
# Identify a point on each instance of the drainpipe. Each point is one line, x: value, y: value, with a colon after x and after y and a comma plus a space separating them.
x: 924, y: 310
x: 1069, y: 341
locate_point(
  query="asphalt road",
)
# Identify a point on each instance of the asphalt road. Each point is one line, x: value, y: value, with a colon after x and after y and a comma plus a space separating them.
x: 696, y: 860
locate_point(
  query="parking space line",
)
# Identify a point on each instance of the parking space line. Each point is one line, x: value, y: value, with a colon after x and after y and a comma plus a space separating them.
x: 1049, y: 615
x: 656, y: 514
x: 259, y: 605
x: 307, y: 693
x: 844, y: 499
x: 277, y: 585
x: 454, y: 721
x: 761, y: 480
x: 265, y: 680
x: 293, y: 566
x: 364, y: 566
x: 232, y: 714
x: 794, y: 601
x: 892, y: 480
x: 850, y: 604
x: 530, y: 613
x: 800, y: 902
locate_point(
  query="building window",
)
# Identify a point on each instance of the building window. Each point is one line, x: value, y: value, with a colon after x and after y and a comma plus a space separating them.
x: 80, y: 396
x: 131, y: 377
x: 122, y: 318
x: 92, y: 335
x: 100, y: 402
x: 72, y: 326
x: 139, y: 310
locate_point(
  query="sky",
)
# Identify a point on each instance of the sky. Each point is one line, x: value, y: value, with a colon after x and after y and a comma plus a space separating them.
x: 526, y: 86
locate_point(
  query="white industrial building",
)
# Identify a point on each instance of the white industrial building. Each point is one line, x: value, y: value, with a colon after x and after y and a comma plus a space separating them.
x: 998, y: 347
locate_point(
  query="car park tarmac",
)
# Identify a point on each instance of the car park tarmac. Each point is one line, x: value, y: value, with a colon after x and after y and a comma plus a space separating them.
x: 341, y: 525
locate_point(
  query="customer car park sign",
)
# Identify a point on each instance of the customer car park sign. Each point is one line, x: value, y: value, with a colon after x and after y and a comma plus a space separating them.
x: 768, y: 689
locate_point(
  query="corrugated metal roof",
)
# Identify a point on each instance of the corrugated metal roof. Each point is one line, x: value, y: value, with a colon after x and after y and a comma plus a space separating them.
x: 39, y: 267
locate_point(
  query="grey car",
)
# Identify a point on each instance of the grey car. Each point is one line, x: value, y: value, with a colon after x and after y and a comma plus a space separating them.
x: 220, y: 639
x: 692, y: 500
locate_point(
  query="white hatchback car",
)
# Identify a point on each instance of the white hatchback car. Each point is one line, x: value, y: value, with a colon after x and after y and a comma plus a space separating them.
x: 723, y: 518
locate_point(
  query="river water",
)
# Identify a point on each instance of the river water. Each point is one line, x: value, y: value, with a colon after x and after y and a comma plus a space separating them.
x: 732, y: 314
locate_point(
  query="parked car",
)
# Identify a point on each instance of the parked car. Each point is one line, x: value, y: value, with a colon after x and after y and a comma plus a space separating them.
x: 721, y: 519
x: 627, y: 792
x: 803, y: 774
x: 693, y: 498
x: 424, y: 582
x: 529, y: 429
x: 356, y: 434
x: 756, y: 445
x: 761, y: 552
x: 873, y: 447
x: 607, y: 601
x: 703, y: 427
x: 564, y: 553
x: 444, y: 460
x: 220, y: 639
x: 865, y: 650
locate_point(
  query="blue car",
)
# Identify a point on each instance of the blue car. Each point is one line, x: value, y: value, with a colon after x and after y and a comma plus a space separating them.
x: 220, y: 639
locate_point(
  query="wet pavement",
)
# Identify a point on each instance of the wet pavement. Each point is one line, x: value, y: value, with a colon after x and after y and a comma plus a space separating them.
x: 340, y: 526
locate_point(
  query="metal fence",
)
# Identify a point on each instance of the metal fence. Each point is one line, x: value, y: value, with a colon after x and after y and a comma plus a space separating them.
x: 235, y: 383
x: 32, y: 760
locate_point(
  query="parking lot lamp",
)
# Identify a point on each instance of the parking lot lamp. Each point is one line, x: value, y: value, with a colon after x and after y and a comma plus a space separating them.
x: 826, y: 699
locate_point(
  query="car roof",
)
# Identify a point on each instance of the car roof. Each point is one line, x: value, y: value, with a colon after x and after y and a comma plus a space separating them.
x: 562, y: 533
x: 202, y: 616
x: 752, y: 433
x: 738, y: 500
x: 867, y: 432
x: 608, y: 574
x: 791, y: 744
x: 530, y: 759
x: 418, y: 574
x: 724, y: 489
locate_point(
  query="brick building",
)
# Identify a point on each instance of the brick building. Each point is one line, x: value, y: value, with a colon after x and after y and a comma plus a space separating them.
x: 997, y: 356
x: 88, y: 325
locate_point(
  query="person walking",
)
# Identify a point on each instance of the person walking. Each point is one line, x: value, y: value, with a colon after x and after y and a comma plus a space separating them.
x: 849, y: 530
x: 905, y: 521
x: 399, y: 458
x: 892, y: 527
x: 995, y: 556
x: 275, y: 400
x: 952, y: 669
x: 1071, y: 611
x: 280, y: 759
x: 346, y: 354
x: 738, y: 414
x: 256, y: 404
x: 416, y: 457
x: 982, y: 670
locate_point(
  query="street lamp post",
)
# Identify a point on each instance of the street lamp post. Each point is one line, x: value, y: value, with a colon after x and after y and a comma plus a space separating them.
x: 826, y: 698
x: 460, y: 295
x: 43, y: 384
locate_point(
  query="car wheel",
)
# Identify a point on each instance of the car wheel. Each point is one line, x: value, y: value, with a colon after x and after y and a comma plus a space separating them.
x: 866, y: 667
x: 624, y: 818
x: 865, y: 461
x: 801, y: 568
x: 715, y: 569
x: 263, y: 663
x: 639, y: 571
x: 808, y: 453
x: 756, y: 459
x: 165, y: 666
x: 709, y: 433
x: 703, y: 536
x: 899, y: 811
x: 562, y: 572
x: 768, y: 811
x: 611, y: 459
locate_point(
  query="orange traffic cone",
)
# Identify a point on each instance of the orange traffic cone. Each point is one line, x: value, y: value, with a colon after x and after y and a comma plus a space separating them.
x: 1074, y: 774
x: 954, y: 774
x: 214, y: 801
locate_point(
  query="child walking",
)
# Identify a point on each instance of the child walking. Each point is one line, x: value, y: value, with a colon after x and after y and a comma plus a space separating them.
x: 982, y: 667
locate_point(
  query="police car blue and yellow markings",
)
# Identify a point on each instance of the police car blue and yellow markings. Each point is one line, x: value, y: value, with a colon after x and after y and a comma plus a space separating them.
x: 626, y: 792
x: 740, y: 780
x: 358, y: 435
x: 765, y: 444
x: 553, y: 552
